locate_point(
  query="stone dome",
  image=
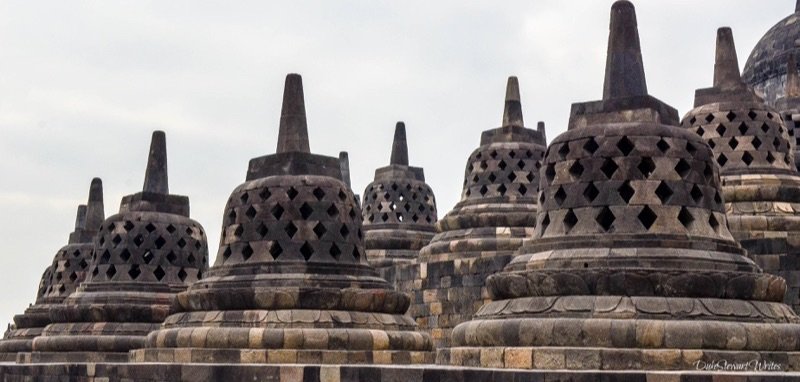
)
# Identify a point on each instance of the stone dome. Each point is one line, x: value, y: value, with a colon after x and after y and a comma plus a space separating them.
x: 765, y: 69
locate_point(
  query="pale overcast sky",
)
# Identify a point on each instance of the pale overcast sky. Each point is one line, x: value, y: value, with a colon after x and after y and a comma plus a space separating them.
x: 83, y: 84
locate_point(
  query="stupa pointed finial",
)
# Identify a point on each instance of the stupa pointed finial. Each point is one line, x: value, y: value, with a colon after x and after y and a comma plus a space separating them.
x: 344, y: 167
x: 80, y: 219
x: 797, y: 6
x: 792, y: 79
x: 512, y: 113
x: 399, y: 145
x: 155, y: 177
x: 726, y: 64
x: 540, y: 128
x: 293, y: 131
x: 624, y: 68
x: 95, y: 213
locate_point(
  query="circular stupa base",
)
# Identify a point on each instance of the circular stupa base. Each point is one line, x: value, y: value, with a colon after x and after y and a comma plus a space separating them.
x: 72, y: 357
x: 282, y: 356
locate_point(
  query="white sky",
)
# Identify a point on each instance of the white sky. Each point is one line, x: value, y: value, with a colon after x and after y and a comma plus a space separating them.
x: 83, y: 84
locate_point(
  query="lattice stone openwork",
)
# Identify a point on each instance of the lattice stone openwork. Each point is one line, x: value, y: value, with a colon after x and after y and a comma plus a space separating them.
x: 398, y: 202
x: 502, y: 171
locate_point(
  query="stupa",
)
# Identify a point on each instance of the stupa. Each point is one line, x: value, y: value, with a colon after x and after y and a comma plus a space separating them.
x: 142, y: 257
x: 753, y: 149
x: 789, y: 107
x: 62, y: 277
x: 632, y: 265
x: 478, y: 237
x: 399, y: 211
x: 291, y: 283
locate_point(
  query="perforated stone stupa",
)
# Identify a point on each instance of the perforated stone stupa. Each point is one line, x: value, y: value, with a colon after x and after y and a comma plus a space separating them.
x: 477, y: 238
x: 62, y: 277
x: 291, y: 283
x: 631, y: 266
x: 399, y: 211
x: 753, y: 149
x: 142, y: 257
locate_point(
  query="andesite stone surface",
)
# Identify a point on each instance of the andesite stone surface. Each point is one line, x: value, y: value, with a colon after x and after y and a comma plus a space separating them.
x: 632, y: 265
x: 68, y: 269
x: 291, y: 283
x: 753, y: 149
x: 141, y: 258
x: 478, y: 236
x: 399, y: 212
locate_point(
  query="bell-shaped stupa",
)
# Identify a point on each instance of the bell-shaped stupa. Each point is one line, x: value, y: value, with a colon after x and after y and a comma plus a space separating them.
x: 399, y: 211
x: 290, y: 283
x: 142, y: 257
x: 632, y: 266
x: 62, y: 277
x: 754, y: 151
x: 479, y: 235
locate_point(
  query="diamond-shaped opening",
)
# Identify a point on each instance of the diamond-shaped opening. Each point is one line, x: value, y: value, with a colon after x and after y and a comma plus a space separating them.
x: 563, y: 151
x: 290, y: 229
x: 232, y: 215
x: 712, y: 220
x: 181, y: 243
x: 512, y: 154
x: 731, y: 116
x: 576, y: 169
x: 138, y: 240
x: 560, y: 195
x: 722, y: 159
x: 95, y: 271
x: 609, y: 168
x: 262, y: 230
x: 721, y: 129
x: 591, y: 146
x: 756, y: 143
x: 696, y: 193
x: 244, y: 198
x: 590, y: 192
x: 190, y: 259
x: 116, y: 240
x: 73, y: 276
x: 700, y: 131
x: 238, y: 231
x: 247, y: 252
x: 692, y: 120
x: 492, y: 177
x: 493, y: 154
x: 171, y: 257
x: 159, y: 273
x: 733, y: 143
x: 664, y: 192
x: 647, y: 217
x: 502, y: 164
x: 777, y: 143
x: 320, y: 230
x: 318, y: 193
x: 747, y: 158
x: 770, y: 157
x: 521, y: 164
x: 646, y: 167
x: 626, y: 191
x: 502, y: 189
x: 128, y: 226
x: 251, y: 212
x: 483, y: 190
x: 752, y: 114
x: 292, y: 193
x: 385, y: 217
x: 712, y: 144
x: 685, y: 217
x: 683, y: 168
x: 171, y: 228
x: 522, y: 189
x: 306, y: 211
x: 625, y: 146
x: 356, y: 253
x: 335, y: 251
x: 709, y: 117
x: 550, y: 172
x: 111, y: 271
x: 764, y: 127
x: 307, y: 251
x: 708, y: 172
x: 530, y: 176
x: 160, y: 242
x: 83, y: 264
x: 150, y: 227
x: 277, y: 211
x: 769, y: 115
x: 690, y: 148
x: 483, y: 165
x: 511, y: 177
x: 264, y: 194
x: 182, y: 274
x: 662, y: 145
x: 147, y: 257
x: 125, y: 255
x: 545, y: 222
x: 743, y: 128
x: 605, y: 218
x: 275, y: 250
x: 570, y: 220
x: 105, y: 257
x: 134, y: 272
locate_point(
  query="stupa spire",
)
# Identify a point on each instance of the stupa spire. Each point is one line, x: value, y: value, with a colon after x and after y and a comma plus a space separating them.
x: 512, y: 113
x: 80, y: 219
x: 726, y: 64
x: 344, y: 166
x: 399, y: 145
x: 624, y: 69
x: 155, y: 178
x: 95, y: 213
x: 293, y: 130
